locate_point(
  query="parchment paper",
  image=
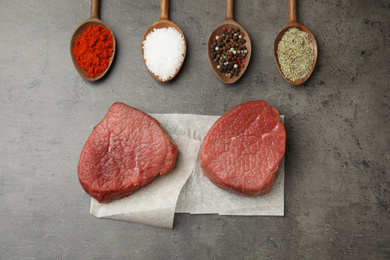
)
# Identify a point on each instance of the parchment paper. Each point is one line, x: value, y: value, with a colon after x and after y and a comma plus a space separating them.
x: 185, y: 189
x: 155, y: 203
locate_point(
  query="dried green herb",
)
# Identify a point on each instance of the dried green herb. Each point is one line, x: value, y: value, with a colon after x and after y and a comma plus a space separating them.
x: 295, y: 54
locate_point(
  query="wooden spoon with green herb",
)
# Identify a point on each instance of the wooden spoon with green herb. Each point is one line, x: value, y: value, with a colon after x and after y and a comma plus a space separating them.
x: 295, y: 51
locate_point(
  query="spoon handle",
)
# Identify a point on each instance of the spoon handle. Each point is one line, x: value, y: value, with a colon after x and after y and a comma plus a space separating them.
x: 292, y: 11
x: 229, y: 9
x: 164, y: 9
x: 95, y: 9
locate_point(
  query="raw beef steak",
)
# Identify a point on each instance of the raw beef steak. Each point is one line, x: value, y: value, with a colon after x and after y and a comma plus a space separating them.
x: 243, y: 149
x: 124, y: 152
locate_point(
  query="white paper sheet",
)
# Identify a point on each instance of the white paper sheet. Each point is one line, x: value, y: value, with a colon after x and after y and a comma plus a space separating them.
x: 185, y: 189
x: 155, y: 203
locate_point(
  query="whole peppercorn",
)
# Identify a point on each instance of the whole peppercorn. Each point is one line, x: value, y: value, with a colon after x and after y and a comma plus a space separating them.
x: 229, y: 52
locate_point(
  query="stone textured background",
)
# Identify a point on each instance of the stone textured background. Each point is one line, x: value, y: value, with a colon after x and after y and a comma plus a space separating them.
x: 337, y: 185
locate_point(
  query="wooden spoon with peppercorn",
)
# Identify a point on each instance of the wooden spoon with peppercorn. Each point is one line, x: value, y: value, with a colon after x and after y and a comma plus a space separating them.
x: 164, y: 22
x: 229, y: 48
x: 93, y: 20
x: 293, y: 23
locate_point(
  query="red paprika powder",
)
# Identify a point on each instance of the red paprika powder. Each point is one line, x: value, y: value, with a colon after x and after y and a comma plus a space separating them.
x: 93, y: 50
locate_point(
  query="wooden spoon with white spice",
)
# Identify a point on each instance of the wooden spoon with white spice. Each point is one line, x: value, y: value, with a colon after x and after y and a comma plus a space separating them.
x: 164, y: 22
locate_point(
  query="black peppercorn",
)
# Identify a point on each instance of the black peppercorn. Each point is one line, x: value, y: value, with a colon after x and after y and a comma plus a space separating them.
x: 229, y: 52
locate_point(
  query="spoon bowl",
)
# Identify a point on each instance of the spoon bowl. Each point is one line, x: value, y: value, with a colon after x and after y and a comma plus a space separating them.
x: 229, y: 23
x: 93, y: 20
x: 164, y: 22
x: 293, y: 23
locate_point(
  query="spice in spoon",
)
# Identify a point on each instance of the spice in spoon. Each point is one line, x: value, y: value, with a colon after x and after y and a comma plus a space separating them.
x: 229, y: 52
x: 164, y: 52
x: 93, y: 50
x: 295, y: 54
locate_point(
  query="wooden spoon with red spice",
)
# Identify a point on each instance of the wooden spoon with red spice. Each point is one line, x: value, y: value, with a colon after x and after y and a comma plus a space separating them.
x: 93, y: 20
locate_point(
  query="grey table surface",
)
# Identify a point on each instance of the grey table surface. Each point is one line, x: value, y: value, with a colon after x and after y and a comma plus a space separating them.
x: 337, y: 184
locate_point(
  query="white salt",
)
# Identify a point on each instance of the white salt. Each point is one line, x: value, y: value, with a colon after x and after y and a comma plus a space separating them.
x: 164, y: 52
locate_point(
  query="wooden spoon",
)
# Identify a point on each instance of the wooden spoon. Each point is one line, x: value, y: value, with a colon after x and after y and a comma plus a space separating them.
x: 229, y: 23
x: 164, y: 22
x: 93, y: 20
x: 293, y: 23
